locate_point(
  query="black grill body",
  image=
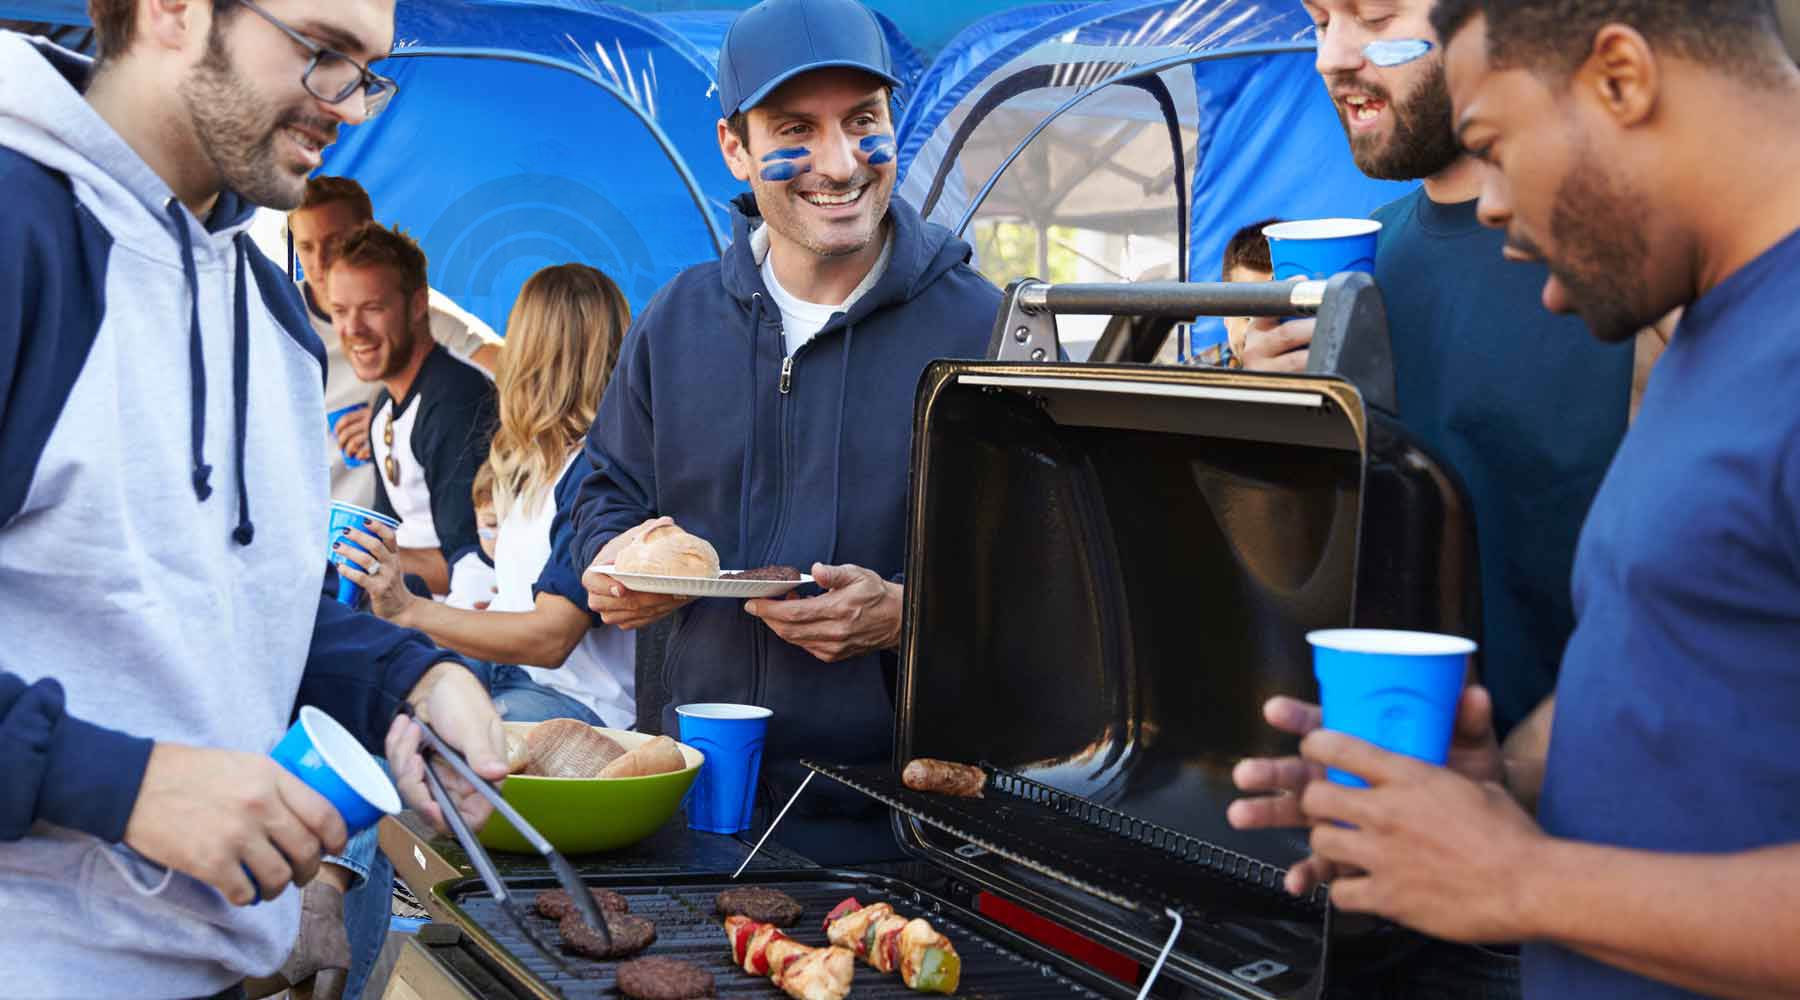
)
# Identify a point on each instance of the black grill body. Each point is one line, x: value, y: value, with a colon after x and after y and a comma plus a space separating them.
x: 1110, y: 569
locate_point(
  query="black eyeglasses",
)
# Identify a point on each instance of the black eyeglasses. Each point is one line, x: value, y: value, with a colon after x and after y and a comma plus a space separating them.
x: 332, y: 76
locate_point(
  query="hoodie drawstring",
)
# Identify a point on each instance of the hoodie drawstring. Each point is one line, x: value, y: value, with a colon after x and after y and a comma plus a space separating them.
x: 240, y: 390
x: 240, y: 371
x: 196, y: 358
x: 837, y: 451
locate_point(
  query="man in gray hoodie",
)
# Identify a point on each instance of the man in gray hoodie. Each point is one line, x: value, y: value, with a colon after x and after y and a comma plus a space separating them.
x: 159, y: 386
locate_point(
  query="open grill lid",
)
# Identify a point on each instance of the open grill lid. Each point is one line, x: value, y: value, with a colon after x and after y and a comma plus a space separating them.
x: 1110, y: 569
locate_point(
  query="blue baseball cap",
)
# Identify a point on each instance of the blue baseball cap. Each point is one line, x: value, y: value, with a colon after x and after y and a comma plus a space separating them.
x: 777, y: 40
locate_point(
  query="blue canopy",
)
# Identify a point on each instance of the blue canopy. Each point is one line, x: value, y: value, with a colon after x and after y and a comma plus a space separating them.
x: 1127, y: 140
x: 534, y: 133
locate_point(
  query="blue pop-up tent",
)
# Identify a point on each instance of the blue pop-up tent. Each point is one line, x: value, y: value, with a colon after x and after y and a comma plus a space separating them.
x: 529, y: 133
x: 1127, y: 140
x: 1074, y: 140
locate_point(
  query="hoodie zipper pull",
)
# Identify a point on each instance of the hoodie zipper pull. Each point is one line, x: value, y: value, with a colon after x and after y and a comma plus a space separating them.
x: 787, y: 374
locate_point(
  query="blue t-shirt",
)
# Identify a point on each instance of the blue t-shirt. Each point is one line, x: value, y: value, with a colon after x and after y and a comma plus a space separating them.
x: 1678, y: 712
x: 1526, y: 406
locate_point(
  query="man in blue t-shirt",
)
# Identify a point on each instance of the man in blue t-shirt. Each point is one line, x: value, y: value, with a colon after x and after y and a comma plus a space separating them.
x: 1523, y: 407
x: 1649, y: 150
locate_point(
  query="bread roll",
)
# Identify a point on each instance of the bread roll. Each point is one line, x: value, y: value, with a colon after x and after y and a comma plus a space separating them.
x: 567, y: 748
x: 666, y: 550
x: 659, y: 756
x: 518, y: 753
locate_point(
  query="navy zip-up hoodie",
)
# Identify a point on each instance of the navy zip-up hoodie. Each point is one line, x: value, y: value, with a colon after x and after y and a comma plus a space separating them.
x: 698, y: 424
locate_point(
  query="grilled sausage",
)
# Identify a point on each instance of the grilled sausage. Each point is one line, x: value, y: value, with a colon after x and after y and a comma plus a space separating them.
x: 923, y: 774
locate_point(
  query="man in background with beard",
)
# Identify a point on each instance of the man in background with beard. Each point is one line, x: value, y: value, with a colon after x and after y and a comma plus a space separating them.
x: 1526, y: 410
x: 1648, y: 151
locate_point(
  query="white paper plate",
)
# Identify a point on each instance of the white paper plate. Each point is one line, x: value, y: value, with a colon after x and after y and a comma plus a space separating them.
x: 693, y: 586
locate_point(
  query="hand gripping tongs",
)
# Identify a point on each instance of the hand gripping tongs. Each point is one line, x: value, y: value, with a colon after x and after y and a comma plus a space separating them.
x: 484, y: 865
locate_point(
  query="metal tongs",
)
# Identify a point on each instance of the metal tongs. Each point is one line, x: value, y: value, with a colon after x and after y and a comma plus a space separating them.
x: 566, y: 875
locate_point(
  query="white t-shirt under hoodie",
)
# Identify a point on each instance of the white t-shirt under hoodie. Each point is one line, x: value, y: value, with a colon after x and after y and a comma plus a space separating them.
x: 601, y: 671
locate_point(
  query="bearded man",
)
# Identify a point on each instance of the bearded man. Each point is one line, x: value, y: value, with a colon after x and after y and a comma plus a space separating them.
x: 164, y: 488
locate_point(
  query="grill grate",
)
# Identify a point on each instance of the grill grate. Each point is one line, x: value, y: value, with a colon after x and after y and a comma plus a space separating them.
x: 1126, y: 861
x: 686, y: 928
x: 1188, y: 848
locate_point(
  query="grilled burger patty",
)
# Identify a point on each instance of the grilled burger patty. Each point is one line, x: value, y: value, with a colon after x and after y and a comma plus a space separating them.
x: 630, y: 935
x: 764, y: 573
x: 664, y: 979
x: 761, y: 904
x: 556, y: 904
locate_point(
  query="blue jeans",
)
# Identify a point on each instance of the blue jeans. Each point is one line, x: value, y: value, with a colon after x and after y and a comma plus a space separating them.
x: 521, y: 699
x: 368, y: 905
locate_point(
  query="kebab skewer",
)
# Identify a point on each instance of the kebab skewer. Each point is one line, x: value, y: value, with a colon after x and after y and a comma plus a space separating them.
x: 802, y: 972
x: 926, y: 960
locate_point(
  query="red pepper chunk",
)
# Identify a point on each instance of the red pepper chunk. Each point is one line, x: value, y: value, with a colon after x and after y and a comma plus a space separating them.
x: 890, y: 947
x: 759, y: 956
x: 840, y: 911
x: 740, y: 941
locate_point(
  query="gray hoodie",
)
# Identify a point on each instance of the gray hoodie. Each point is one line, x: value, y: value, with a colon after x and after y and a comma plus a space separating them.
x: 159, y: 385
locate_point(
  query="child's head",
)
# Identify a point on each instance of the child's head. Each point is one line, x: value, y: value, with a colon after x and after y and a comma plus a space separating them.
x: 1246, y: 259
x: 487, y: 526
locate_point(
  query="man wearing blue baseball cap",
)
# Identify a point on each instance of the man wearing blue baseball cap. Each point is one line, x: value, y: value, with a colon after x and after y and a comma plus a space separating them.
x: 765, y: 402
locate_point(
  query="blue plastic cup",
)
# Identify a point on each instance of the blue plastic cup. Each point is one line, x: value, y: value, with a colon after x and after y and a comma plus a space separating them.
x: 331, y: 421
x: 1397, y: 690
x: 345, y: 516
x: 323, y: 754
x: 731, y: 737
x: 1316, y: 249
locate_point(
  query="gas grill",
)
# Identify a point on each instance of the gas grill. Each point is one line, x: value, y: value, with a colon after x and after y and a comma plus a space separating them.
x: 996, y: 962
x: 1110, y: 567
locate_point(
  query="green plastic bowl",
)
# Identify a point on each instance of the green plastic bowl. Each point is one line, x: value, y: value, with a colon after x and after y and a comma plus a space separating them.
x: 584, y: 815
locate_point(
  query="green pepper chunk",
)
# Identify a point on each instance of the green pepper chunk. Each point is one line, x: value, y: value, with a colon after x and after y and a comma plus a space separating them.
x: 869, y: 939
x: 939, y: 971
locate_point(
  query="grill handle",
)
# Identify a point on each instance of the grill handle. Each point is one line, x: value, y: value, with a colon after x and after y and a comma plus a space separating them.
x: 1175, y: 299
x: 1350, y: 338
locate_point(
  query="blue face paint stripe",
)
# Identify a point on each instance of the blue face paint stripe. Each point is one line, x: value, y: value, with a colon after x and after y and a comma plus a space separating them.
x: 880, y: 148
x: 783, y: 163
x: 1388, y: 53
x: 783, y: 171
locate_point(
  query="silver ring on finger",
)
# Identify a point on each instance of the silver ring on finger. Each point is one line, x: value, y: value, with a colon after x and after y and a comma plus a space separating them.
x: 374, y: 567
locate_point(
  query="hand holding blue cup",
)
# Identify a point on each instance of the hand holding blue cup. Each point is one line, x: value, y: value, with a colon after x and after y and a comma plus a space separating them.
x: 322, y: 753
x: 731, y: 737
x: 1397, y: 690
x: 344, y: 517
x: 331, y: 422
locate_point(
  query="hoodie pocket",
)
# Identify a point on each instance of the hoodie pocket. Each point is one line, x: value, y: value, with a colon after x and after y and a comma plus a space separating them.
x: 133, y: 904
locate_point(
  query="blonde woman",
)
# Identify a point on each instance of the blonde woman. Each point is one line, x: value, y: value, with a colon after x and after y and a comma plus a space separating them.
x: 561, y: 342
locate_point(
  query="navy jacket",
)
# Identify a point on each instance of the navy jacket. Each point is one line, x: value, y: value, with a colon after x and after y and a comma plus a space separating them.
x: 698, y: 425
